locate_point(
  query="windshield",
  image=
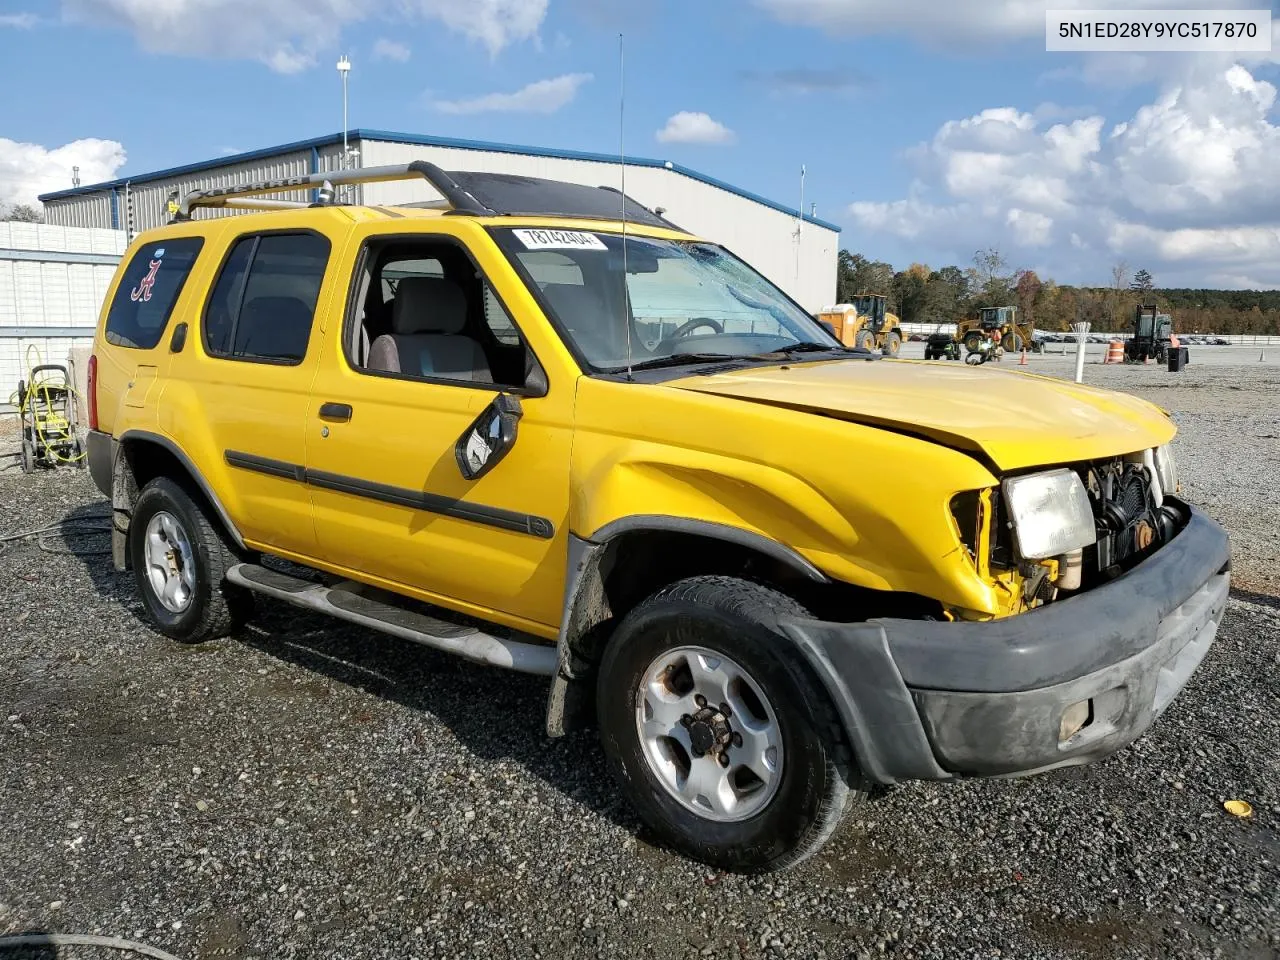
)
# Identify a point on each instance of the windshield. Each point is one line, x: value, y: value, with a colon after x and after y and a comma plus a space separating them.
x: 681, y: 298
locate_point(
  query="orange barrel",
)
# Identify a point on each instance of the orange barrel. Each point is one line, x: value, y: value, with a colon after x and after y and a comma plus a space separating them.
x: 1115, y: 352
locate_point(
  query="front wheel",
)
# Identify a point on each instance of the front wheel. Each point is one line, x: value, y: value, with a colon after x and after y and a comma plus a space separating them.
x: 719, y: 736
x: 892, y: 343
x: 180, y: 557
x: 865, y: 340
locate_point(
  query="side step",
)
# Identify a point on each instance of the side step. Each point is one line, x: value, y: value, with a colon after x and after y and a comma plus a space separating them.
x: 346, y: 601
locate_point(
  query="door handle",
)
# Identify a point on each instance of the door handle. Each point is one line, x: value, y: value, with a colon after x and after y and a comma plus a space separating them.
x: 341, y: 412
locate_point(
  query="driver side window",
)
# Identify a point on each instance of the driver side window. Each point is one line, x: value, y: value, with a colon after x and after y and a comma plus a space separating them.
x: 427, y: 312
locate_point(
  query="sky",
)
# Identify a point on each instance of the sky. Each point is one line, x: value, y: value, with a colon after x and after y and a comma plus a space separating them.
x: 928, y: 130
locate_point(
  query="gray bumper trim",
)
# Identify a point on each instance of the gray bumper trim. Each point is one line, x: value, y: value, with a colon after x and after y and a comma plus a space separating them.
x: 1067, y: 639
x: 101, y: 456
x: 926, y: 700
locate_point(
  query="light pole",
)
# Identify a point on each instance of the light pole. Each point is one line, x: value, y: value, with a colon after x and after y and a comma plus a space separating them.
x: 344, y: 68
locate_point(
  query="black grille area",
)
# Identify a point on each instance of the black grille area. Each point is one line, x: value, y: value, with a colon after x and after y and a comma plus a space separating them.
x: 1130, y: 523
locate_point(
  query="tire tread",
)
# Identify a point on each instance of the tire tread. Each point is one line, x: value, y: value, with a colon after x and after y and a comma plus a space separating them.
x: 761, y: 604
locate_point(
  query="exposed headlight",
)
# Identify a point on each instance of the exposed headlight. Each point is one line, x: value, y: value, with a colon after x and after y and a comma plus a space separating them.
x: 1050, y: 512
x: 1166, y: 469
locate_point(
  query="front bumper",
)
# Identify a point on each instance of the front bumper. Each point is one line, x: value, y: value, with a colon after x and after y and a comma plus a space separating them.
x: 936, y: 700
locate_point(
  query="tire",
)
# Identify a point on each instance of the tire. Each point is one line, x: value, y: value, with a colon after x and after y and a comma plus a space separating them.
x: 892, y: 343
x: 929, y: 354
x: 973, y: 341
x: 1012, y: 342
x: 213, y: 608
x: 28, y: 456
x: 815, y: 780
x: 865, y: 340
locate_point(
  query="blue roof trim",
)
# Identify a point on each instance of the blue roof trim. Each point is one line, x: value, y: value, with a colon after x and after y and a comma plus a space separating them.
x: 429, y: 141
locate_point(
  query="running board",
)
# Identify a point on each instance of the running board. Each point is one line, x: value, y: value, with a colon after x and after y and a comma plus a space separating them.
x: 346, y: 601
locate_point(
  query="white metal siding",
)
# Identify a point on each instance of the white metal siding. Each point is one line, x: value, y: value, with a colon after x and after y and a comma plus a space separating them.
x: 51, y: 294
x: 91, y: 210
x: 761, y: 235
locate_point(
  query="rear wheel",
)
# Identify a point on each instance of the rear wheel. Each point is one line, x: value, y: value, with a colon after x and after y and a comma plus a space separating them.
x: 865, y: 340
x: 180, y: 557
x: 892, y: 343
x: 718, y: 735
x: 973, y: 341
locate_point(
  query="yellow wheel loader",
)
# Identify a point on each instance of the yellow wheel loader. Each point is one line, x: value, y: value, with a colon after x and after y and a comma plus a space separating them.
x: 866, y: 323
x: 999, y: 324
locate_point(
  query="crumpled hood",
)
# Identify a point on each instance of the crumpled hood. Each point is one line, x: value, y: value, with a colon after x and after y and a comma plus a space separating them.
x: 1018, y: 420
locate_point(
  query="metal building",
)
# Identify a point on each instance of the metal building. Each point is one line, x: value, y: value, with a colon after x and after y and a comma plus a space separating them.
x: 797, y: 253
x: 52, y: 283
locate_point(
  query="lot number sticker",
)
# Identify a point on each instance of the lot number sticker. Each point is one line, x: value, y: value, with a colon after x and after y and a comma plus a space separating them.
x: 559, y: 240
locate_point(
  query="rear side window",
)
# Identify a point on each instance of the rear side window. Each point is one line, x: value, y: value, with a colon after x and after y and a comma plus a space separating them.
x: 148, y: 290
x: 264, y: 299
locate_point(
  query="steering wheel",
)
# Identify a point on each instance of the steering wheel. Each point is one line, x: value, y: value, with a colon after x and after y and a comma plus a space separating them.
x: 685, y: 328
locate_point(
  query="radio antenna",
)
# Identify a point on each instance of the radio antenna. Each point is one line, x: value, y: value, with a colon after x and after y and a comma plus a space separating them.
x: 622, y: 157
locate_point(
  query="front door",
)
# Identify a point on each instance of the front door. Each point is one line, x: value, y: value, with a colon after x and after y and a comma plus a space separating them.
x: 400, y: 489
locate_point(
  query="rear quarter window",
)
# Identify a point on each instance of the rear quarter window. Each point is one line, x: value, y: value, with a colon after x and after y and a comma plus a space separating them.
x: 148, y: 291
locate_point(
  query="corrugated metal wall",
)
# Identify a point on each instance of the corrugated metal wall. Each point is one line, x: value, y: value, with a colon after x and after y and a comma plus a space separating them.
x: 56, y: 294
x: 764, y: 237
x: 92, y: 210
x: 149, y: 200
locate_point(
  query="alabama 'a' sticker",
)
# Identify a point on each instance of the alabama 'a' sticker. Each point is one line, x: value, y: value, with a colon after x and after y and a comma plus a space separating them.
x: 559, y: 240
x: 142, y: 292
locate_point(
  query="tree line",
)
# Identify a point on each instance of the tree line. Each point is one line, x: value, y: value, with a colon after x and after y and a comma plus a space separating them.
x: 21, y: 213
x: 920, y: 294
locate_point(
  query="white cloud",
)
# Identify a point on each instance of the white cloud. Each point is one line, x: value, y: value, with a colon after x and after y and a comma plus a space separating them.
x: 290, y: 35
x: 691, y: 127
x: 28, y: 169
x: 19, y: 21
x: 1184, y: 187
x: 542, y: 96
x: 386, y: 49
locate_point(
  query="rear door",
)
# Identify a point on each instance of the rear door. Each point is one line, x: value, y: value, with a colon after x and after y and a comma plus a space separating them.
x: 131, y: 348
x: 249, y: 378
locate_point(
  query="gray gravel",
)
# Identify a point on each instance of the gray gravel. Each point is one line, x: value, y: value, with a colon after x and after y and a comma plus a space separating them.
x: 310, y: 790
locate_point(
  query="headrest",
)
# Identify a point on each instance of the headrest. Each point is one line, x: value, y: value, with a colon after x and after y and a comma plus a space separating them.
x: 428, y: 305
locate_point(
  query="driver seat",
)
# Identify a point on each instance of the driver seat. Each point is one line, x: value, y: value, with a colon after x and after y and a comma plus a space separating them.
x: 426, y: 338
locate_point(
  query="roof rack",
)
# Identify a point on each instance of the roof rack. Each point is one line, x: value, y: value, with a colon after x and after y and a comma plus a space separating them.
x: 241, y: 195
x: 465, y: 193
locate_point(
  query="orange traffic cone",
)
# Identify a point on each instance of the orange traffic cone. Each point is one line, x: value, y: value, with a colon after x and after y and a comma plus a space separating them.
x: 1023, y: 361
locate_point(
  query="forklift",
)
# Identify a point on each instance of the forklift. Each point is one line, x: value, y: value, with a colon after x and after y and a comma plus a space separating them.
x: 1152, y: 333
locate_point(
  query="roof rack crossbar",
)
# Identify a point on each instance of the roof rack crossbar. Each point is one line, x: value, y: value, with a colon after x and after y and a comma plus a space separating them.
x: 458, y: 199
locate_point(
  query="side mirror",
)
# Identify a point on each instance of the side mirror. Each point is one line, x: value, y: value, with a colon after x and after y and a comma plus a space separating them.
x: 489, y: 437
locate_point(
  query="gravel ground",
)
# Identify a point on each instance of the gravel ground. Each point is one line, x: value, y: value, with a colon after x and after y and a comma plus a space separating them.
x: 311, y: 790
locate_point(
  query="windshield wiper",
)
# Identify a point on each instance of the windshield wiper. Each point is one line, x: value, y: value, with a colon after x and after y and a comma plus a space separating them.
x: 679, y: 360
x: 806, y: 347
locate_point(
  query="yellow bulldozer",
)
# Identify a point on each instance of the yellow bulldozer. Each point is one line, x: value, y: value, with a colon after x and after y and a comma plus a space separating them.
x: 866, y: 323
x: 995, y: 323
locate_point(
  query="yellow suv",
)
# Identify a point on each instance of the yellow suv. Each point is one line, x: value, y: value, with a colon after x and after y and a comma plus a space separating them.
x: 539, y: 426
